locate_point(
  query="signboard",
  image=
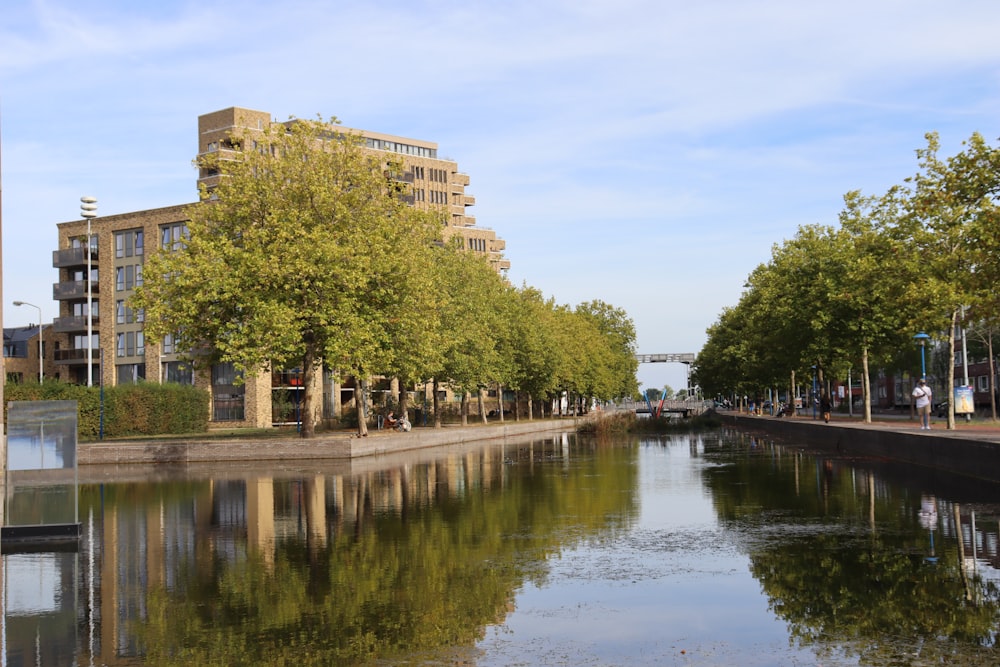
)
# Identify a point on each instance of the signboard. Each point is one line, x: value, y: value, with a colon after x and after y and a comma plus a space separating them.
x: 964, y: 403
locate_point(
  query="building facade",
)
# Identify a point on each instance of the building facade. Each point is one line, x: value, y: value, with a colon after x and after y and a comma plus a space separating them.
x: 114, y: 257
x: 20, y: 351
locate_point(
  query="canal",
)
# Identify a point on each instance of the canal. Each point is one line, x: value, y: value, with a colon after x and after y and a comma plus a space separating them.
x: 715, y: 548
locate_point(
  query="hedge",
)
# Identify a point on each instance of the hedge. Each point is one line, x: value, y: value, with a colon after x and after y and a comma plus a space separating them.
x: 130, y: 410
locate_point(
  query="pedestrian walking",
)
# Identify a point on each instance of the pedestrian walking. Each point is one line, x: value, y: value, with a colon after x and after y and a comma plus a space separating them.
x: 924, y: 397
x: 825, y: 406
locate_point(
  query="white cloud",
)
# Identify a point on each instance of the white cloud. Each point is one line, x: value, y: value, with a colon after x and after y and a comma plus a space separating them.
x: 674, y: 141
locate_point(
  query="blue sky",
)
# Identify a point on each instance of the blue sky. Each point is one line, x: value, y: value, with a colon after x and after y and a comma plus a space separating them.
x: 647, y: 153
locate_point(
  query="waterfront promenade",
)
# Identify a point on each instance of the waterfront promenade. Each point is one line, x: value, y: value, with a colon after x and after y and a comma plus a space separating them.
x: 288, y: 446
x: 971, y: 449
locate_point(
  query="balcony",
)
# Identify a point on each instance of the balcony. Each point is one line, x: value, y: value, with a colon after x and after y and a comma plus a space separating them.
x: 74, y: 324
x: 76, y: 357
x: 72, y: 257
x: 458, y: 178
x: 73, y: 289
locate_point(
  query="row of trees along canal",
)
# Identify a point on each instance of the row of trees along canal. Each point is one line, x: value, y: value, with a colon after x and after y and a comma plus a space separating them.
x: 853, y: 295
x: 306, y: 253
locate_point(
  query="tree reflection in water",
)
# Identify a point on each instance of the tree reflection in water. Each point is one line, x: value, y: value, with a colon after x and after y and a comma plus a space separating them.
x: 850, y: 561
x: 483, y: 555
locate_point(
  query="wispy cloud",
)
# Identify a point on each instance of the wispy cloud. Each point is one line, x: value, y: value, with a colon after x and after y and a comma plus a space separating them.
x: 604, y: 140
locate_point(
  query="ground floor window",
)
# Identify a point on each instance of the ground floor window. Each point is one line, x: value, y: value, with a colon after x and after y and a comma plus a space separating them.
x: 228, y: 393
x: 131, y: 373
x: 179, y: 372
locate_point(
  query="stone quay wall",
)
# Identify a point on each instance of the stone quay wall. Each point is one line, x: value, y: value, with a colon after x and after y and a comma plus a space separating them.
x: 969, y: 453
x: 338, y: 446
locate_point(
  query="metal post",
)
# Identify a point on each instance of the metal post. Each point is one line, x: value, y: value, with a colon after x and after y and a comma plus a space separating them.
x: 922, y: 339
x: 965, y: 366
x: 88, y: 209
x: 41, y: 368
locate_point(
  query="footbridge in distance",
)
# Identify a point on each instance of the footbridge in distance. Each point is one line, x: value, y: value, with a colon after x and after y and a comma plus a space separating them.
x: 685, y: 407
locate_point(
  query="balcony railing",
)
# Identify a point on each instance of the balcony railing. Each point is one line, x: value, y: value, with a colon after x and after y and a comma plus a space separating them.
x: 72, y: 257
x: 72, y: 289
x: 73, y: 324
x: 76, y: 356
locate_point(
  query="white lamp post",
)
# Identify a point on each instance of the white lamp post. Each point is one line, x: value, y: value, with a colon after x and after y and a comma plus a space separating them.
x: 88, y: 209
x: 41, y: 369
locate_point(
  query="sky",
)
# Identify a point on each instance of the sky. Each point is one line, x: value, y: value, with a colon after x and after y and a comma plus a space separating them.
x: 646, y: 153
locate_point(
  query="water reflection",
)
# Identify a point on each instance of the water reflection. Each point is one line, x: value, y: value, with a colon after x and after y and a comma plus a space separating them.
x: 482, y: 555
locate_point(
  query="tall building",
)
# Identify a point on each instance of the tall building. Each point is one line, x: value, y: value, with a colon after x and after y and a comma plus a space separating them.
x: 434, y: 182
x: 115, y: 256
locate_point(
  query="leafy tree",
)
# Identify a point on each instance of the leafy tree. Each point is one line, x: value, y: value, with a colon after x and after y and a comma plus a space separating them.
x: 303, y: 253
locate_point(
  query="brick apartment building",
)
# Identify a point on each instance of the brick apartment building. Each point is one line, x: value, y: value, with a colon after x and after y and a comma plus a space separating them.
x: 119, y: 243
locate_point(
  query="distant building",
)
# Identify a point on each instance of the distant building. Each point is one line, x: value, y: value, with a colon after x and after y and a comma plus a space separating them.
x: 20, y: 351
x: 116, y: 251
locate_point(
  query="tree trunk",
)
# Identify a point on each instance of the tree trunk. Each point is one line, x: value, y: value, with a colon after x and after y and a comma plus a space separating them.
x: 362, y: 400
x: 866, y: 386
x: 993, y: 372
x: 791, y: 394
x: 437, y: 406
x: 530, y: 411
x: 308, y: 393
x: 500, y: 401
x: 465, y: 408
x: 482, y: 404
x: 404, y: 397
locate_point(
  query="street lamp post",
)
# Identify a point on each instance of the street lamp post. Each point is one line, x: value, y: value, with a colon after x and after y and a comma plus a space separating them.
x: 88, y: 209
x: 922, y: 338
x: 41, y: 367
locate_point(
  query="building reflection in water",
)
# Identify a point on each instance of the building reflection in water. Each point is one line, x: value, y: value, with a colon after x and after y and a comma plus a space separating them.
x: 142, y: 536
x: 83, y: 608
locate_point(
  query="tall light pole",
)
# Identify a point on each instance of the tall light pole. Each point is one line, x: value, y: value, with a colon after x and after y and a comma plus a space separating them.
x: 922, y: 338
x: 88, y: 209
x: 41, y: 368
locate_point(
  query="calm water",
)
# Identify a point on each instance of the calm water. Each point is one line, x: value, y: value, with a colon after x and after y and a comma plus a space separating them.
x: 709, y: 549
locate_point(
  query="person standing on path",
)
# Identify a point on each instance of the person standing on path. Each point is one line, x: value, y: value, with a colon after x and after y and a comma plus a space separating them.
x: 825, y: 406
x: 924, y: 397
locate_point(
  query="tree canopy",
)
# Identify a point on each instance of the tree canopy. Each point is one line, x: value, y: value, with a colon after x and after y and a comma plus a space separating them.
x: 305, y: 252
x: 841, y: 296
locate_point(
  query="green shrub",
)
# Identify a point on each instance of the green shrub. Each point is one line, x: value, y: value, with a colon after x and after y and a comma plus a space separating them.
x: 130, y: 410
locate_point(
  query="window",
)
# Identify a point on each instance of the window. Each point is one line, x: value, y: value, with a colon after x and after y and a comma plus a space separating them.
x: 131, y: 373
x: 227, y: 395
x: 169, y: 344
x: 172, y: 237
x: 128, y: 243
x: 179, y: 372
x: 983, y: 383
x: 128, y: 277
x: 130, y: 344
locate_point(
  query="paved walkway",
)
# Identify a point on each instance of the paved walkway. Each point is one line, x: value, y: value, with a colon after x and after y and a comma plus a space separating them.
x: 983, y: 430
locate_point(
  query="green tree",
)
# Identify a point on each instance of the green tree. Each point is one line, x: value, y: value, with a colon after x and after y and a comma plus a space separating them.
x: 303, y: 253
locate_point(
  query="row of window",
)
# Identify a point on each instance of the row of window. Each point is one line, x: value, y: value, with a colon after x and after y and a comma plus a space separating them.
x: 438, y: 197
x: 477, y: 244
x: 126, y: 315
x: 128, y: 277
x: 130, y: 344
x: 400, y: 147
x: 128, y: 243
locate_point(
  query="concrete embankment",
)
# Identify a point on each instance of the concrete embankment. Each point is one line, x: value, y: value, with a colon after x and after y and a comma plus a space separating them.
x: 969, y: 452
x: 329, y: 446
